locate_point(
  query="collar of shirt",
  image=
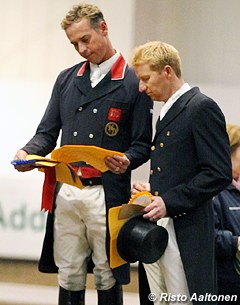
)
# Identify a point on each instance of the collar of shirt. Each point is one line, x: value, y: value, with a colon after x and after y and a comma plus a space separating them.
x: 185, y: 87
x: 99, y: 71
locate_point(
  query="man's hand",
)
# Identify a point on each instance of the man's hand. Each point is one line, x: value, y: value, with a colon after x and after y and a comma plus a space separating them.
x: 156, y: 209
x: 140, y: 187
x: 117, y: 164
x: 21, y: 155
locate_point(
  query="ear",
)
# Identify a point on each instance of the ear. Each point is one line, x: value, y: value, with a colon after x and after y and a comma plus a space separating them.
x: 168, y: 70
x: 103, y: 27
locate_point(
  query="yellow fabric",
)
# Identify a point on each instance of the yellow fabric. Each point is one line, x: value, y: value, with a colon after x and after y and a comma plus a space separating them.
x: 118, y: 216
x: 114, y: 226
x: 65, y: 174
x: 61, y: 157
x: 41, y: 161
x: 141, y: 198
x: 91, y: 154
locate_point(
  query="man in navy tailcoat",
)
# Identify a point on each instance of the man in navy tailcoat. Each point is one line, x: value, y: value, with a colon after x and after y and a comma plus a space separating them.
x: 95, y: 102
x: 190, y: 163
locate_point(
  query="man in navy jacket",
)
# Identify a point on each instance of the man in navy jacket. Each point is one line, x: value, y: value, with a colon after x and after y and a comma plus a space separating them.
x: 96, y: 102
x: 190, y: 163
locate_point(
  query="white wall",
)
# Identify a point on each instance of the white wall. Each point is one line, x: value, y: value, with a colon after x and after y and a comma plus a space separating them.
x: 34, y: 49
x: 207, y: 35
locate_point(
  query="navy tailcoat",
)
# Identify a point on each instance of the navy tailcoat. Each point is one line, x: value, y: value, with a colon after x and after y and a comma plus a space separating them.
x: 113, y: 115
x: 190, y: 163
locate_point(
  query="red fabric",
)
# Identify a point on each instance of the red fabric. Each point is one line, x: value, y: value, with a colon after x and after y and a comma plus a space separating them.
x: 118, y: 68
x: 87, y: 172
x: 48, y: 189
x: 50, y: 183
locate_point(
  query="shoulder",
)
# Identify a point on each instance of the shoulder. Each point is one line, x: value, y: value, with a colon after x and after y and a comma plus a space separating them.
x: 130, y: 75
x: 199, y: 99
x: 67, y: 75
x: 72, y: 70
x: 202, y: 105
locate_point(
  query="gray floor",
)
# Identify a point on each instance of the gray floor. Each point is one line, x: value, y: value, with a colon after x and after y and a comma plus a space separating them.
x: 15, y: 293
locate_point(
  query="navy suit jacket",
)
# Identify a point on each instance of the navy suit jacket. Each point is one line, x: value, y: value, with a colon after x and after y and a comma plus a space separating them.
x: 190, y: 163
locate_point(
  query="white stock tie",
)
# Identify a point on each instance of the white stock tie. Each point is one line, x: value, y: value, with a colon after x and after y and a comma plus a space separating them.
x: 95, y: 78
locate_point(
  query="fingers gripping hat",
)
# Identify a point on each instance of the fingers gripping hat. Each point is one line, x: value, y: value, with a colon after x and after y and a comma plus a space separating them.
x: 141, y: 240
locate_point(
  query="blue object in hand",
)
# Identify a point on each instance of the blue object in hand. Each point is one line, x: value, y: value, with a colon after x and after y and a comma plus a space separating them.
x: 22, y: 162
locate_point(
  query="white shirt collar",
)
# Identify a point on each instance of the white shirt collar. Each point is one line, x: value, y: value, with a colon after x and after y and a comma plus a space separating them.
x: 185, y: 87
x: 105, y: 66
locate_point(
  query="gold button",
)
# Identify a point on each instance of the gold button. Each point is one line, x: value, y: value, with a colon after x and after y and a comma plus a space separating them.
x: 161, y: 144
x: 168, y: 133
x: 156, y: 193
x: 158, y: 169
x: 153, y: 148
x: 151, y: 172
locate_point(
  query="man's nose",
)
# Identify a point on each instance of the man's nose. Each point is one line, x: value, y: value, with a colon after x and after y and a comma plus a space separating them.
x: 81, y: 48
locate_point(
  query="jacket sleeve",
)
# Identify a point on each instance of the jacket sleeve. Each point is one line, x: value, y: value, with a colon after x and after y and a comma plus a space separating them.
x: 141, y: 131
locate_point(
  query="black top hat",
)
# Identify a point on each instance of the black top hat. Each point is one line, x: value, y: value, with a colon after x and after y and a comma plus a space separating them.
x: 141, y: 240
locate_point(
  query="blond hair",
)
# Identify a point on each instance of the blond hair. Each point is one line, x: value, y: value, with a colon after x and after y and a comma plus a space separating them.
x: 89, y: 11
x: 157, y: 54
x: 234, y: 136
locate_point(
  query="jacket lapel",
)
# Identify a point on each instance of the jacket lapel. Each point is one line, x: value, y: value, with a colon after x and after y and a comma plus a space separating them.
x: 108, y: 84
x: 175, y: 110
x: 82, y: 79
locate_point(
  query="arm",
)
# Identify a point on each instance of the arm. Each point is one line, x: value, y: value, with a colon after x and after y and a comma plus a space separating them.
x: 141, y: 135
x: 141, y: 131
x: 226, y: 242
x: 140, y: 123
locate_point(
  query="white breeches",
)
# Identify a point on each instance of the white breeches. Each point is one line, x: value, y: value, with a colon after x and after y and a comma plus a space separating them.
x: 80, y: 233
x: 166, y: 277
